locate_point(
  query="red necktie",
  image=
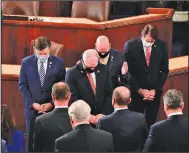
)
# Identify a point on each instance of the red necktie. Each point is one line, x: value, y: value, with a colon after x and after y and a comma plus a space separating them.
x: 148, y: 55
x: 92, y: 82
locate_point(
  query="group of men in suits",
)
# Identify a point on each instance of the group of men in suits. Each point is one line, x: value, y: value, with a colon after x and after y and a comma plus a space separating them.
x: 143, y: 68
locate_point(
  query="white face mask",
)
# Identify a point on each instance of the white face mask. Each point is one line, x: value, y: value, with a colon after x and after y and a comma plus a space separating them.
x: 147, y: 44
x: 42, y: 58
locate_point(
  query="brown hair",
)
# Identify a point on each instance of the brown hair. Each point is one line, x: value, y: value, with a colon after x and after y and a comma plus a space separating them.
x: 60, y: 91
x: 42, y: 43
x: 7, y: 123
x: 152, y: 29
x: 119, y: 99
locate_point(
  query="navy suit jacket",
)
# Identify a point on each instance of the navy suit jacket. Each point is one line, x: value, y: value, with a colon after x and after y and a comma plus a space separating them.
x: 29, y: 81
x: 80, y: 87
x: 152, y: 77
x: 170, y: 135
x: 129, y: 129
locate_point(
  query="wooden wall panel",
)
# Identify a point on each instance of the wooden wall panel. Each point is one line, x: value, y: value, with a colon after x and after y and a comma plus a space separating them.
x: 78, y: 35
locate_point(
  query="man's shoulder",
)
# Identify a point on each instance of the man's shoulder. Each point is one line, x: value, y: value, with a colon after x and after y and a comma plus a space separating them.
x: 101, y: 133
x: 28, y: 58
x: 158, y: 126
x: 44, y: 117
x: 133, y: 41
x: 73, y: 70
x: 59, y: 59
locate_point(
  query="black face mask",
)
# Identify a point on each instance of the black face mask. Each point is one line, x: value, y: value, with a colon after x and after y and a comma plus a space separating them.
x: 103, y: 55
x: 87, y: 69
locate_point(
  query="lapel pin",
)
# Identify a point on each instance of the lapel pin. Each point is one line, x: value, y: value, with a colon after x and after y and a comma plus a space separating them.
x: 81, y: 71
x: 112, y: 58
x: 98, y: 71
x: 50, y: 63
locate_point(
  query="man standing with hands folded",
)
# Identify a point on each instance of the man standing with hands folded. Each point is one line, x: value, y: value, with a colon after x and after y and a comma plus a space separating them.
x: 147, y: 58
x: 38, y: 73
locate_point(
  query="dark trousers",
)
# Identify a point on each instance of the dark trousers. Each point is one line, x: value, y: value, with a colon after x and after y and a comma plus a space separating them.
x: 149, y: 108
x: 31, y: 132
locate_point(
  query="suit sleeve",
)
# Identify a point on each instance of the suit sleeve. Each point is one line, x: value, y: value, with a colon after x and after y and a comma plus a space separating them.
x: 62, y: 72
x: 145, y: 132
x: 164, y: 69
x: 99, y: 125
x: 107, y: 108
x: 132, y: 79
x: 153, y: 143
x: 38, y: 135
x: 73, y: 89
x: 23, y: 85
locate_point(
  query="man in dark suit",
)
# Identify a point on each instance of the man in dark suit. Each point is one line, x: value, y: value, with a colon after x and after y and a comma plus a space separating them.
x: 170, y: 135
x: 114, y: 60
x: 54, y: 124
x: 3, y: 146
x: 83, y: 138
x: 88, y: 81
x: 37, y: 75
x: 129, y: 129
x: 147, y: 59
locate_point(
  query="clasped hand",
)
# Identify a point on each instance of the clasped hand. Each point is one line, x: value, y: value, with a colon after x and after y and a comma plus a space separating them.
x: 147, y: 94
x: 43, y: 108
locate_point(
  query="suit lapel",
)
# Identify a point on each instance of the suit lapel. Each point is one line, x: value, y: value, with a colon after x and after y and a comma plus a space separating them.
x: 153, y: 55
x: 142, y: 55
x: 111, y: 61
x: 50, y: 66
x: 85, y: 77
x: 98, y: 80
x: 35, y: 69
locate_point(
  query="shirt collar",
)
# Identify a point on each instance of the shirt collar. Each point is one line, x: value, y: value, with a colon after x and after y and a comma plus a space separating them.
x: 61, y: 106
x: 176, y: 113
x: 116, y: 109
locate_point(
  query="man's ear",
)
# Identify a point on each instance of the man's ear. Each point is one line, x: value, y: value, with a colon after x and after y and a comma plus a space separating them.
x: 130, y: 99
x: 53, y: 98
x: 165, y: 107
x: 113, y: 102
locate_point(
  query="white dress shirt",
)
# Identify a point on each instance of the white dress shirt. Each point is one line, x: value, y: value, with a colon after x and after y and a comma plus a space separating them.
x: 44, y: 64
x: 94, y: 77
x: 144, y: 47
x: 176, y: 113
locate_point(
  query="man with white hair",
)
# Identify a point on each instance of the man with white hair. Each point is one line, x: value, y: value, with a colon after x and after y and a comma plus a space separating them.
x: 83, y: 138
x: 89, y: 81
x: 170, y: 135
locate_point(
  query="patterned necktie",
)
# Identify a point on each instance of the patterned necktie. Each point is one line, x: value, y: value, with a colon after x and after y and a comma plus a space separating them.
x: 42, y: 73
x: 148, y: 55
x: 92, y: 82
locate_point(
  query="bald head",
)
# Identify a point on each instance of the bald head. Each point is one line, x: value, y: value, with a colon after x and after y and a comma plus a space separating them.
x: 90, y: 58
x: 102, y: 44
x: 122, y: 96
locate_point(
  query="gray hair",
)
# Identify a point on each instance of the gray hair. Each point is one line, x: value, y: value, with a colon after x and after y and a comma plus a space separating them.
x: 173, y: 98
x: 79, y: 111
x: 90, y: 52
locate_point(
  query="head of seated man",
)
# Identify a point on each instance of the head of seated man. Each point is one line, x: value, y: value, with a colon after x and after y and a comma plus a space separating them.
x: 173, y: 102
x: 103, y: 46
x: 42, y: 48
x: 121, y: 97
x: 90, y: 60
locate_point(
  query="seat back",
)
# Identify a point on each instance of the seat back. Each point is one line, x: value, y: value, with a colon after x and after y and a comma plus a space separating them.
x: 28, y: 8
x: 94, y: 10
x: 55, y: 49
